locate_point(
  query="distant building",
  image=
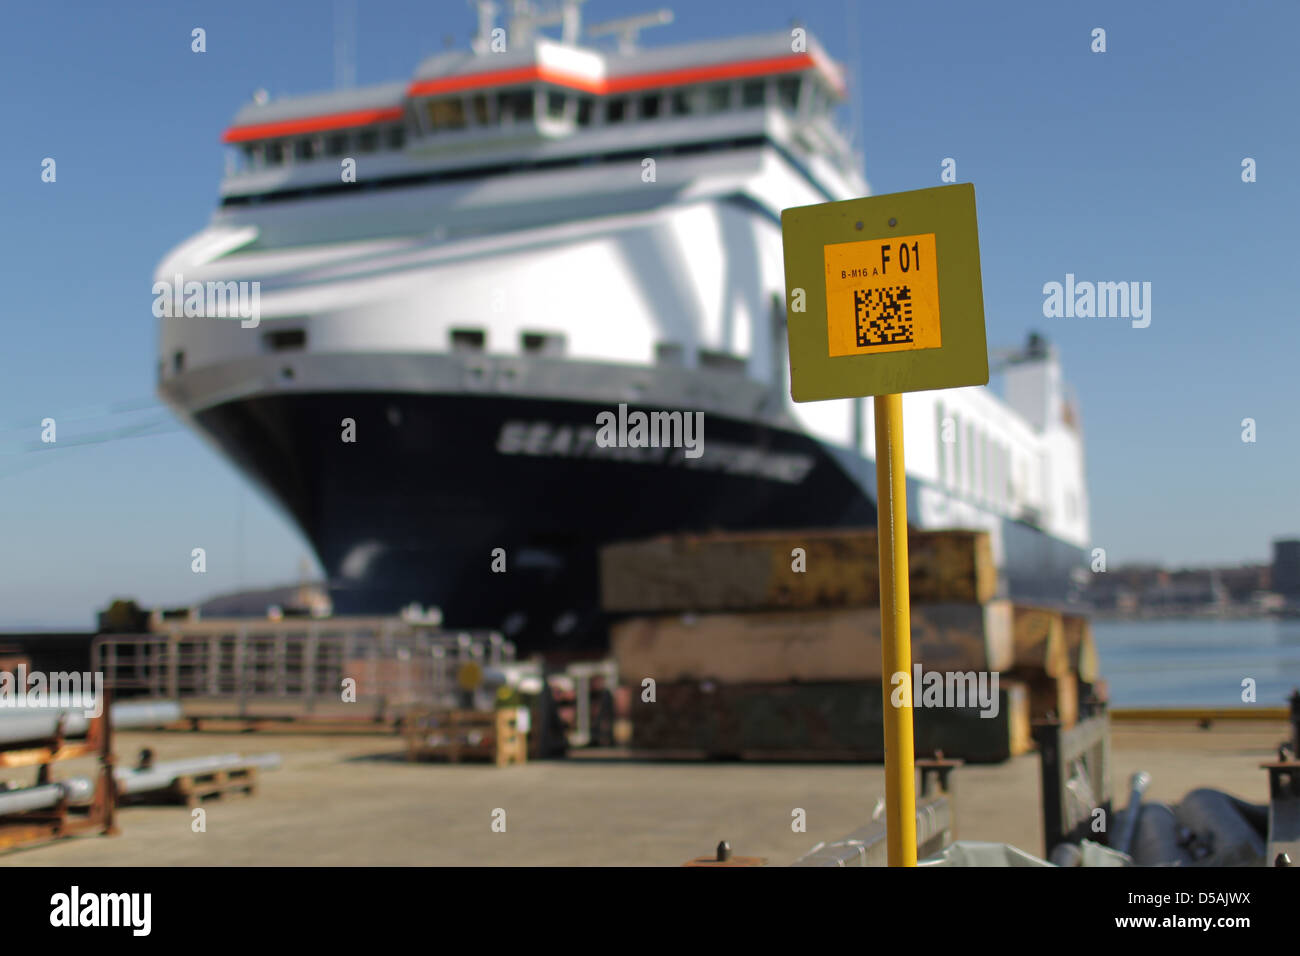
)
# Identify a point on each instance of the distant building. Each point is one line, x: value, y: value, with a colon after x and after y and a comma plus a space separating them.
x: 1246, y: 583
x: 1188, y: 590
x: 1286, y: 567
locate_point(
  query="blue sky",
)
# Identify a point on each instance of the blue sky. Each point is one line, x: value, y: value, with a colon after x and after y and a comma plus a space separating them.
x: 1122, y: 166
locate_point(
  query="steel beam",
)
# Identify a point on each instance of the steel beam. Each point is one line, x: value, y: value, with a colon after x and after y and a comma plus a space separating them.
x: 20, y: 724
x: 868, y: 846
x: 161, y: 775
x: 76, y: 789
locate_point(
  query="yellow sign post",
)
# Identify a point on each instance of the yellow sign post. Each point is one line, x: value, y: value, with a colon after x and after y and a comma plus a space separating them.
x: 895, y: 630
x: 865, y: 283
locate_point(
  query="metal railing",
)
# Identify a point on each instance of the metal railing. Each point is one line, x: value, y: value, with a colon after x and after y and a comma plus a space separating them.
x: 298, y: 666
x: 868, y: 845
x: 1075, y: 774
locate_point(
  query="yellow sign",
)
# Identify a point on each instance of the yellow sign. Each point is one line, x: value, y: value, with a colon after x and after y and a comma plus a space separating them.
x: 865, y: 281
x: 882, y: 295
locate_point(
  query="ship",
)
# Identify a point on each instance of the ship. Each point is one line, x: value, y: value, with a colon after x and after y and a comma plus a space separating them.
x: 456, y: 274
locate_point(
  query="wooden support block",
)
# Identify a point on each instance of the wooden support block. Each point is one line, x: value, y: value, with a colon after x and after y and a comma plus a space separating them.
x: 1082, y: 648
x: 1057, y: 696
x: 1020, y: 731
x: 780, y: 647
x: 821, y: 721
x: 1039, y: 639
x: 750, y: 571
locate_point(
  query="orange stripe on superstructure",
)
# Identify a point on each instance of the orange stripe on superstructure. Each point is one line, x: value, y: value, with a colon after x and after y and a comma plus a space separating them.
x: 617, y: 84
x: 533, y: 74
x: 702, y: 74
x: 312, y: 124
x: 524, y: 74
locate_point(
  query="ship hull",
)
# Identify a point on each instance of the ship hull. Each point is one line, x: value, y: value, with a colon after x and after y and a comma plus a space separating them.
x: 493, y: 508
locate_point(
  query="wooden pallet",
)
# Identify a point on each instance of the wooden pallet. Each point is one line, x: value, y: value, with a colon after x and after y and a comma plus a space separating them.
x: 461, y: 735
x: 193, y: 788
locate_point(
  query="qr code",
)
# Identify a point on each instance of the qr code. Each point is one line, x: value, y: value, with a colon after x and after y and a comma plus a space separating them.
x: 884, y: 315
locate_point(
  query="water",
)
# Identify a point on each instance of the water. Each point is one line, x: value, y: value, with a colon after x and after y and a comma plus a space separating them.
x: 1197, y: 663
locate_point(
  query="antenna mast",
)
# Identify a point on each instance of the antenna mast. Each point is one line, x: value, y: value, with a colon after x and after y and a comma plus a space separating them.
x: 628, y: 28
x: 345, y: 28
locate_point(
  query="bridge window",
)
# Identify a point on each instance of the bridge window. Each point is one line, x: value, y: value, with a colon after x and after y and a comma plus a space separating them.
x: 718, y: 98
x: 823, y: 101
x: 336, y: 145
x: 616, y: 110
x: 681, y: 102
x: 649, y: 107
x: 274, y: 153
x: 305, y: 149
x: 480, y: 109
x: 753, y: 93
x: 555, y: 102
x: 787, y: 92
x: 395, y: 137
x: 585, y: 104
x: 515, y: 106
x: 447, y: 113
x: 368, y: 140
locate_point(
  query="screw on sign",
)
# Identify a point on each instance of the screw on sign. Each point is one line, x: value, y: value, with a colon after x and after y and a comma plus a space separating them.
x: 884, y: 297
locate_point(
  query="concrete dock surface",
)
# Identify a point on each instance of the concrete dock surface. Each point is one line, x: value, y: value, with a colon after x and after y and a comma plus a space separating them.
x: 356, y: 801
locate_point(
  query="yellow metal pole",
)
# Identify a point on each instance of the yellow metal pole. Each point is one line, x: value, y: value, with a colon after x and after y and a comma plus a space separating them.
x: 895, y: 631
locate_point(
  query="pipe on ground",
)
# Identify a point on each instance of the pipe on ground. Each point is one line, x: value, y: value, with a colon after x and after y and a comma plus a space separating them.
x: 161, y: 775
x: 1127, y: 828
x: 1217, y: 820
x: 77, y: 790
x: 1158, y: 838
x: 21, y: 724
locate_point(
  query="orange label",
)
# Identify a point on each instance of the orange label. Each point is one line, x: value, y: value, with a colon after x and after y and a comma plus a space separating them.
x: 882, y: 295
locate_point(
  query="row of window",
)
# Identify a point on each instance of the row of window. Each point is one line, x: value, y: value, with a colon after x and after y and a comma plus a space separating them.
x: 971, y: 462
x: 277, y: 152
x: 462, y: 340
x: 506, y: 107
x: 524, y: 105
x: 530, y: 343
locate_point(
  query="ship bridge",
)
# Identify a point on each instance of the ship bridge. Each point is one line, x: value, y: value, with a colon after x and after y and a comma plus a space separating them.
x: 520, y: 100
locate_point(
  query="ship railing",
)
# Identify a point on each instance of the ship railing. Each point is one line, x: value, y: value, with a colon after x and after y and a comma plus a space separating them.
x: 373, y: 667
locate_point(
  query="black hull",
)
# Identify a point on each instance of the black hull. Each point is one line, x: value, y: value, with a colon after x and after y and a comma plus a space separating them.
x: 413, y: 510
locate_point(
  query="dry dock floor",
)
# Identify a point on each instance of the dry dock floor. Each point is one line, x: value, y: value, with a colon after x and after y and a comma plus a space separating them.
x: 348, y: 801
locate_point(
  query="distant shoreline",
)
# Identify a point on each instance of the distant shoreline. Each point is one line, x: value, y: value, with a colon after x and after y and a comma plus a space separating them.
x: 1182, y: 614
